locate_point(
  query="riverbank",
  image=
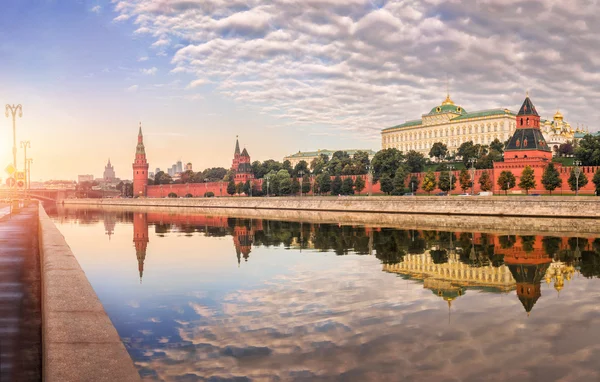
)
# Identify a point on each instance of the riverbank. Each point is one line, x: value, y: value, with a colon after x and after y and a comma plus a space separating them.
x: 535, y: 207
x: 489, y: 224
x: 79, y: 341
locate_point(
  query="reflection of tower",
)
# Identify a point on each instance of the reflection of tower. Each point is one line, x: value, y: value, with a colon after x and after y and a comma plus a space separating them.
x: 110, y: 220
x: 243, y: 237
x: 140, y: 239
x: 528, y: 264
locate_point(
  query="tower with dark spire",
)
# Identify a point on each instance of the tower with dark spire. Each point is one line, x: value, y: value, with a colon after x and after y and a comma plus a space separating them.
x: 140, y: 239
x: 109, y: 172
x: 241, y: 166
x: 140, y: 167
x: 527, y: 142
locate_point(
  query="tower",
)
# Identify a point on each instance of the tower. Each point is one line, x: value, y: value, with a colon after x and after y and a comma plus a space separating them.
x: 109, y: 172
x: 236, y: 156
x: 140, y: 239
x: 140, y: 167
x: 527, y: 142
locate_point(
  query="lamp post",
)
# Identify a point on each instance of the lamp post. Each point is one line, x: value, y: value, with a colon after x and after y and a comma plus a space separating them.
x: 29, y: 162
x: 370, y: 179
x: 577, y: 171
x: 205, y: 187
x: 450, y: 168
x: 24, y: 146
x: 267, y: 177
x: 301, y: 172
x: 472, y: 161
x: 14, y: 111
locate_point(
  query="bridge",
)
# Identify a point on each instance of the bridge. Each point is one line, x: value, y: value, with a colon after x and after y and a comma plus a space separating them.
x: 47, y: 195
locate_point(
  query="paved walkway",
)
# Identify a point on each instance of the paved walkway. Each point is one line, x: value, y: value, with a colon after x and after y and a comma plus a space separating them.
x: 20, y: 318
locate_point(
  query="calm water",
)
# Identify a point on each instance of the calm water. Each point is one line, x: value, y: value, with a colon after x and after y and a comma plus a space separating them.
x: 199, y: 298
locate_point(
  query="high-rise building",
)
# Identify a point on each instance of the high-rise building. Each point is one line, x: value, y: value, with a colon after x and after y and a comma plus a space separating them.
x: 157, y: 170
x: 179, y: 166
x: 109, y: 172
x: 174, y: 169
x: 140, y: 167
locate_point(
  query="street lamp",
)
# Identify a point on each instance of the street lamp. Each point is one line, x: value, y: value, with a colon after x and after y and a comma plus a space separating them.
x: 29, y: 162
x: 577, y: 171
x: 301, y: 172
x: 472, y: 161
x: 205, y: 187
x: 24, y: 146
x: 370, y: 179
x: 450, y: 168
x: 14, y: 109
x: 267, y: 178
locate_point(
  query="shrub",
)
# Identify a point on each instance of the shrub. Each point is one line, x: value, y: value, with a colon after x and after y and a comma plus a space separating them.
x: 189, y: 195
x: 172, y: 195
x: 209, y: 194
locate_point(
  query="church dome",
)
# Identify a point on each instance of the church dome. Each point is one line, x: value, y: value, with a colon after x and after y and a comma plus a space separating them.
x: 558, y: 115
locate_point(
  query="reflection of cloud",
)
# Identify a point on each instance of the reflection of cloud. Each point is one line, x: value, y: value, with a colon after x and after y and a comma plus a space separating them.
x: 357, y: 323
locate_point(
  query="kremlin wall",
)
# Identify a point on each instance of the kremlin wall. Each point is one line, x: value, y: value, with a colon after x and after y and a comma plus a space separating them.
x: 526, y: 147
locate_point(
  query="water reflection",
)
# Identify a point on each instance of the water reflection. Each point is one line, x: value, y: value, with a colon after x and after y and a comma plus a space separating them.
x: 329, y: 318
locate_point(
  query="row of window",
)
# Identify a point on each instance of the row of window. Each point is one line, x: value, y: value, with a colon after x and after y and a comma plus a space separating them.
x: 450, y: 143
x: 449, y: 131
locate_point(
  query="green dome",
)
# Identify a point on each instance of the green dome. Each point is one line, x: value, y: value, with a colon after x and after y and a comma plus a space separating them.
x: 447, y: 107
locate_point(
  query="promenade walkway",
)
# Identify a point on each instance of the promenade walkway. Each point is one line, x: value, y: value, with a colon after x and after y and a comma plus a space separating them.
x: 20, y: 312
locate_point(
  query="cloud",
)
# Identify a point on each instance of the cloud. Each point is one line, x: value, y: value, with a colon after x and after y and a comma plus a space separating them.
x: 132, y: 89
x: 149, y: 72
x: 196, y: 83
x: 360, y: 65
x: 142, y: 59
x: 96, y: 9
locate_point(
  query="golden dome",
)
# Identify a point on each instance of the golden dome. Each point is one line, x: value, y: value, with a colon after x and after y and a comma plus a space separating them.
x: 558, y: 115
x: 448, y: 101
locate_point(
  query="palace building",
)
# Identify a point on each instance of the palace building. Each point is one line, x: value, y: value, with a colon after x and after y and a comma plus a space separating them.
x: 452, y: 125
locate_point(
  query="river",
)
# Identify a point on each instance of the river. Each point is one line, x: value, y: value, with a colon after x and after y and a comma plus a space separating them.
x: 215, y: 298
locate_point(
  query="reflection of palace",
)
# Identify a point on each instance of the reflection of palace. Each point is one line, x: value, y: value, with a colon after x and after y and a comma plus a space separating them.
x: 526, y: 264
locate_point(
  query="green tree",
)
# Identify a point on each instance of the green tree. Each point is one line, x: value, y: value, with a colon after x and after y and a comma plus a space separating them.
x: 470, y: 151
x: 336, y: 185
x: 429, y: 182
x: 360, y: 162
x: 325, y: 183
x: 386, y: 184
x: 438, y: 150
x: 295, y: 186
x: 415, y: 161
x: 359, y: 185
x: 551, y: 178
x: 465, y: 179
x: 187, y: 176
x: 572, y: 181
x: 287, y: 165
x: 162, y: 178
x: 386, y: 162
x: 485, y: 181
x: 301, y: 167
x: 399, y: 180
x: 247, y: 188
x: 231, y: 187
x: 348, y: 186
x: 588, y: 150
x: 319, y: 164
x: 285, y: 186
x: 596, y: 180
x: 506, y: 181
x: 527, y: 181
x: 239, y: 188
x: 445, y: 182
x: 305, y: 184
x: 497, y: 146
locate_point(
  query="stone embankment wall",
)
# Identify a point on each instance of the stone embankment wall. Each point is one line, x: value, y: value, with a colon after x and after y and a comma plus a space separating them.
x: 80, y: 342
x: 552, y: 207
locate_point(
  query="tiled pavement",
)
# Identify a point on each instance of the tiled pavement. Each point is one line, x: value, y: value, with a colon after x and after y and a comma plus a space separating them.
x: 20, y: 318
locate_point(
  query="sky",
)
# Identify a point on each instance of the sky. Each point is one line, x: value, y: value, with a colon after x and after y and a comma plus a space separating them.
x: 284, y: 75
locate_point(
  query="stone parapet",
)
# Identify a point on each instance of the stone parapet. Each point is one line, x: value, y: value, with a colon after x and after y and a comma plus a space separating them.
x: 508, y: 206
x: 80, y: 342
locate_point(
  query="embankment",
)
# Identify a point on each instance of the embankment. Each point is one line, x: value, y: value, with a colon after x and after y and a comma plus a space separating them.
x: 540, y: 215
x: 79, y: 341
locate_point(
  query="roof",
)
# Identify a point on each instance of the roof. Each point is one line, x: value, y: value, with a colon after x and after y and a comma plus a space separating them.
x: 528, y: 108
x: 244, y: 153
x: 237, y: 146
x: 448, y: 108
x: 416, y: 122
x: 309, y: 154
x: 484, y: 113
x: 527, y: 139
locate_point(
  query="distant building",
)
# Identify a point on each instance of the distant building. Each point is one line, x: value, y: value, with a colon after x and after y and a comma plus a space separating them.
x: 188, y: 166
x: 157, y: 170
x: 170, y: 171
x: 174, y: 170
x: 85, y: 178
x: 308, y: 156
x: 151, y: 175
x: 179, y: 166
x: 241, y: 164
x: 109, y: 172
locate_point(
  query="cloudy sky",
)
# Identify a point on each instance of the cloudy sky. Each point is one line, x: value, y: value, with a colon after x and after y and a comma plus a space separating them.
x: 284, y: 75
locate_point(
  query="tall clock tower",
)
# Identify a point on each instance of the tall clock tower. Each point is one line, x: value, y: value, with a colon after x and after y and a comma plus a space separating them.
x: 140, y: 167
